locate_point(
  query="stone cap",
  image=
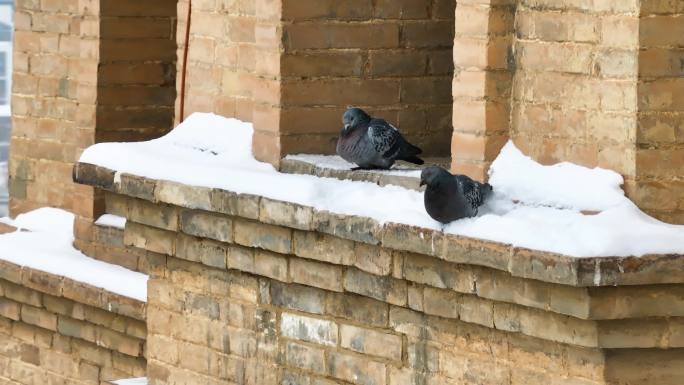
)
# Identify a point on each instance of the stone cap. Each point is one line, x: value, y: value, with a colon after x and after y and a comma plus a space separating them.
x: 519, y: 262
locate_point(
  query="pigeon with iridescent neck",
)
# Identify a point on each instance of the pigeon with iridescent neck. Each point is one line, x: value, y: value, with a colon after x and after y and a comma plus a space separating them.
x: 372, y: 143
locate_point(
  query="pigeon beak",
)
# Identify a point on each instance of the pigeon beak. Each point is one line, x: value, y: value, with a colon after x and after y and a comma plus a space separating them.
x: 422, y: 183
x: 346, y: 126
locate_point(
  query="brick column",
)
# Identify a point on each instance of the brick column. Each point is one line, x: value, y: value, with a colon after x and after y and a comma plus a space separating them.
x: 55, y: 66
x: 233, y: 64
x: 482, y: 84
x: 598, y: 84
x: 85, y: 71
x: 267, y: 145
x: 574, y: 93
x: 658, y: 186
x: 222, y: 57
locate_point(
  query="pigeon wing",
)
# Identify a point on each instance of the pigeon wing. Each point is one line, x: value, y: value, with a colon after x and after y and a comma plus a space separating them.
x: 472, y: 191
x: 385, y: 138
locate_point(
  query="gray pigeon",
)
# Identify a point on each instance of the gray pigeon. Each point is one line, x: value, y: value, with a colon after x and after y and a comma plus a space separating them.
x: 451, y: 197
x: 373, y: 143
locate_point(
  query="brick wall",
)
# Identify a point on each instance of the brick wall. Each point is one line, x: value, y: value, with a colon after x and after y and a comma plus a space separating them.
x: 54, y: 330
x: 84, y: 72
x: 294, y: 67
x: 235, y: 327
x: 257, y: 291
x: 298, y: 307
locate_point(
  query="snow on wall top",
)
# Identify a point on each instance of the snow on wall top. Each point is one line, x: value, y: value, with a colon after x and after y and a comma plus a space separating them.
x: 48, y: 247
x: 132, y: 381
x: 211, y: 151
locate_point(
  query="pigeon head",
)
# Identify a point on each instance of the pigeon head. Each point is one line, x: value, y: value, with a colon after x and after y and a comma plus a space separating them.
x: 354, y: 117
x: 432, y: 174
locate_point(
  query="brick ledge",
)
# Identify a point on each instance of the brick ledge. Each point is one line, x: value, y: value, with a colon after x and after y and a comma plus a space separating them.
x: 59, y: 286
x: 296, y: 166
x: 519, y: 262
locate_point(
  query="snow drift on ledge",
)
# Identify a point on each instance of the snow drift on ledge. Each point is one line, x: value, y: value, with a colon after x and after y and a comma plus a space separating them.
x: 47, y: 246
x: 109, y: 220
x: 212, y: 151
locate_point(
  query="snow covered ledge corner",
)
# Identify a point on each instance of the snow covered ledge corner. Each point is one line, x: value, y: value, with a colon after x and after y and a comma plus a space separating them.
x: 535, y: 227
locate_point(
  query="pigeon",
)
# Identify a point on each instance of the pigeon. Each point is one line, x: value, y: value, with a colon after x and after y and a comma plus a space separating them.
x: 373, y: 143
x: 451, y: 197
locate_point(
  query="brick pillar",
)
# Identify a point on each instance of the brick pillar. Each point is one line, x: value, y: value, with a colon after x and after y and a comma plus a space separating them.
x: 658, y: 186
x: 222, y: 57
x: 85, y: 71
x: 267, y: 144
x: 233, y: 64
x: 598, y: 84
x: 574, y: 93
x: 482, y: 84
x: 54, y: 68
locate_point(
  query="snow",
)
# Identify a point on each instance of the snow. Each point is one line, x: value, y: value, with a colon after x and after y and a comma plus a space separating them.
x: 563, y: 185
x: 47, y: 246
x: 132, y: 381
x: 335, y: 162
x: 212, y: 151
x: 111, y: 220
x: 534, y: 206
x: 46, y: 219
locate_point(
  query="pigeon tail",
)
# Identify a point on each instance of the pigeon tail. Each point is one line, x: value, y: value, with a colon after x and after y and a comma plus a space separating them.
x: 414, y: 159
x: 486, y: 190
x: 410, y: 154
x: 411, y: 150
